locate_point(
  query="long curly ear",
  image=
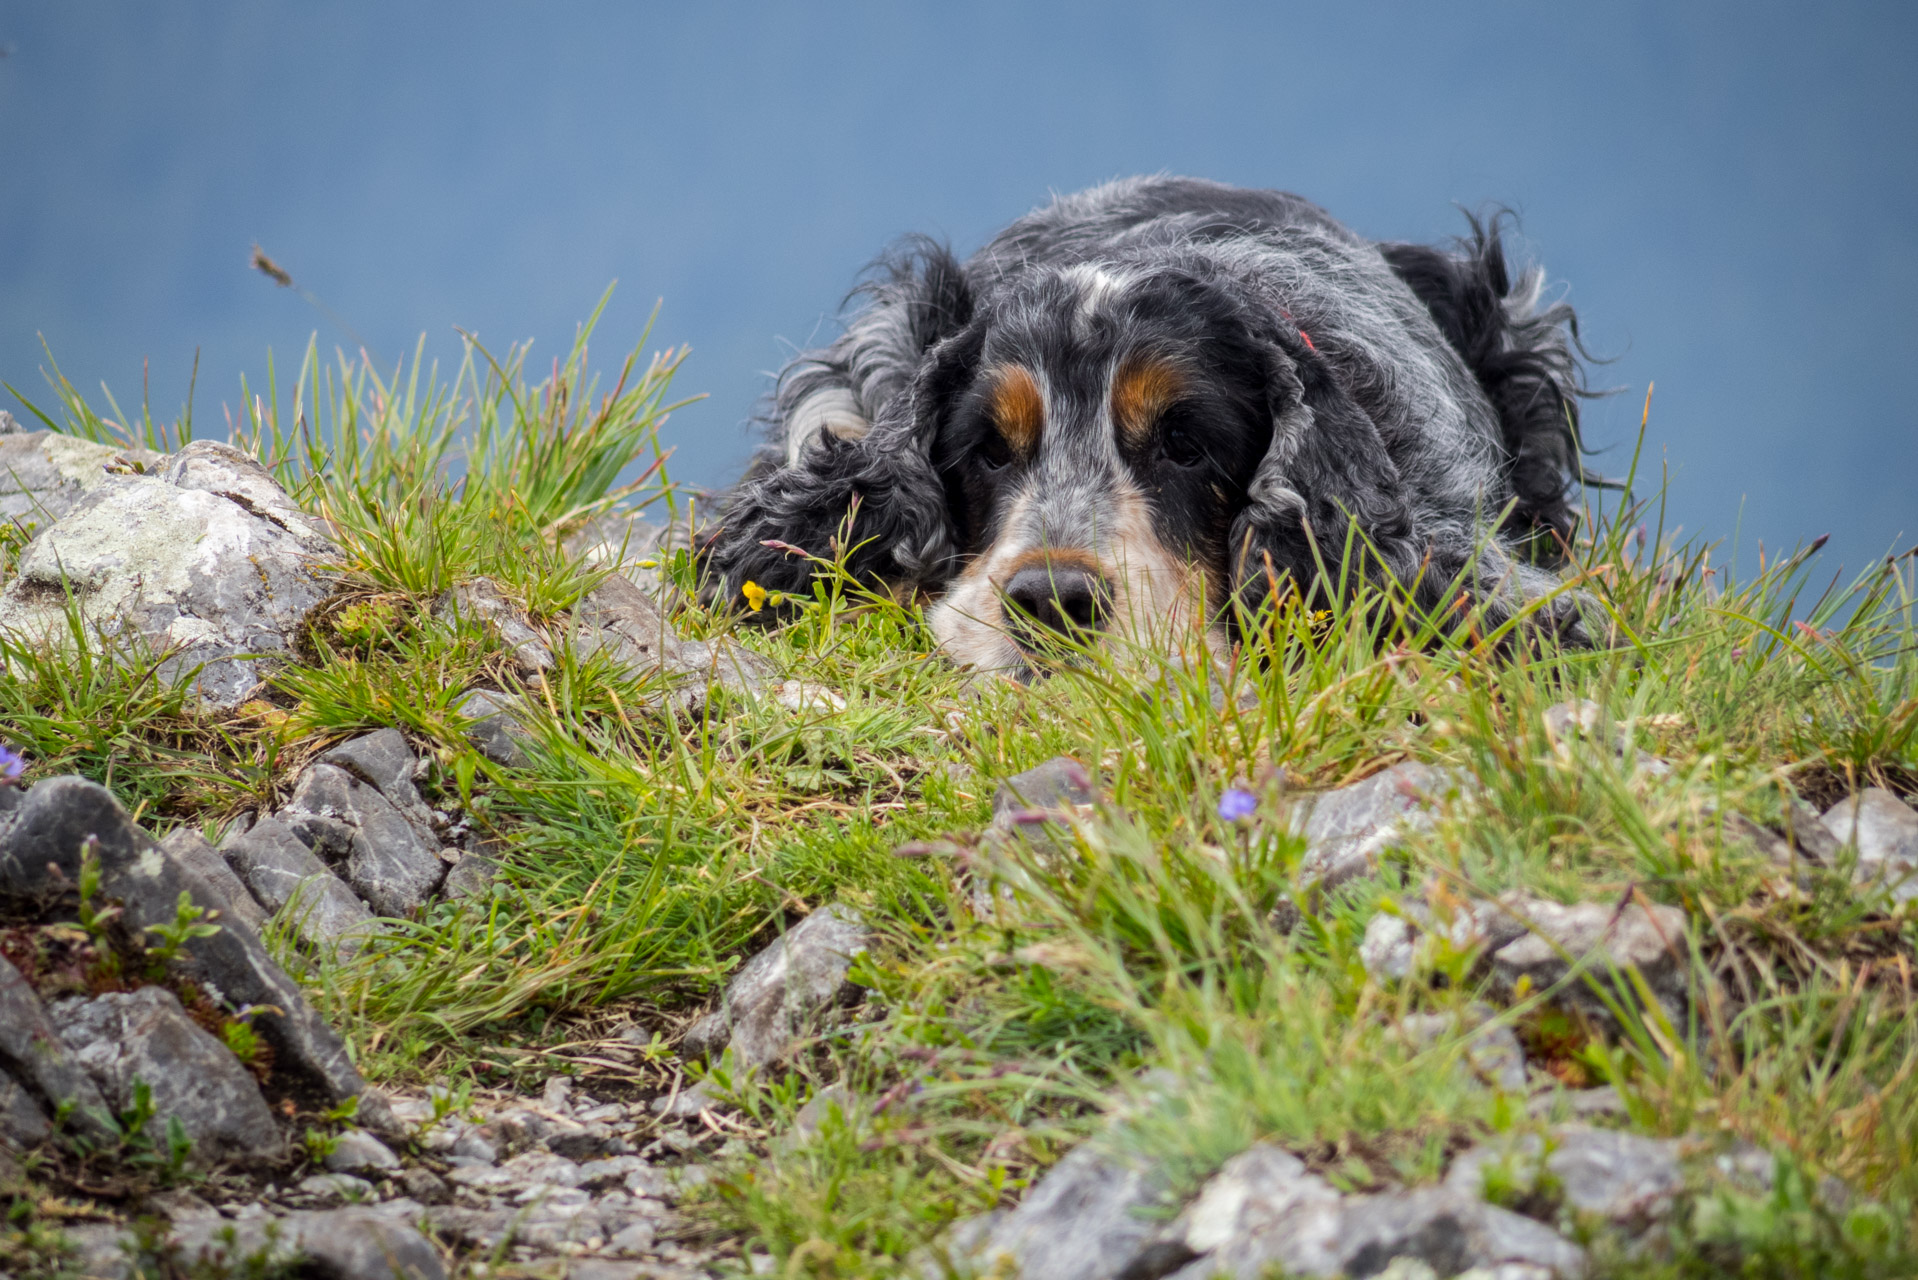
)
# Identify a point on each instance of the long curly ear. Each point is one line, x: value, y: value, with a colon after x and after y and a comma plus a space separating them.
x: 876, y: 500
x: 1325, y: 478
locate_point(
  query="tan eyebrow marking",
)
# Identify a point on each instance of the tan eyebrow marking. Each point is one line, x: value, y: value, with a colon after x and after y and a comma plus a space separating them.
x: 1142, y: 389
x: 1018, y: 407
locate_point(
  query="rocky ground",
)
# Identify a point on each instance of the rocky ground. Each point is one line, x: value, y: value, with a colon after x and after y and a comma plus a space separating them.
x: 976, y: 1029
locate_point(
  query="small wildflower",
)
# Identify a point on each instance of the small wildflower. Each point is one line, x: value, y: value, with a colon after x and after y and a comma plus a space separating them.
x: 1236, y: 805
x: 755, y: 596
x: 12, y: 765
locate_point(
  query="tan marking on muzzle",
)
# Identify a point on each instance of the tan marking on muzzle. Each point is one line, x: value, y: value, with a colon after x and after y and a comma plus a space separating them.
x: 1142, y: 389
x: 1018, y: 407
x: 1051, y: 558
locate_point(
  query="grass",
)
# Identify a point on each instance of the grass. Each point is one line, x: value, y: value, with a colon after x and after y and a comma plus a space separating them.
x: 1140, y: 973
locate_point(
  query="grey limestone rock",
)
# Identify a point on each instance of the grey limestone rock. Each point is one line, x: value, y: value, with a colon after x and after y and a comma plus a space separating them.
x: 1626, y: 1178
x: 1397, y: 942
x: 1060, y: 785
x: 206, y: 562
x: 43, y: 473
x: 1346, y: 829
x: 483, y: 602
x: 145, y: 1036
x: 626, y: 623
x: 333, y: 1244
x: 1085, y: 1220
x: 22, y: 1122
x: 1885, y: 831
x: 357, y: 1151
x: 387, y: 853
x: 496, y: 729
x: 336, y: 1188
x: 776, y: 994
x: 42, y: 834
x: 279, y: 869
x: 1449, y: 1231
x: 471, y: 877
x: 36, y: 1072
x: 1598, y: 938
x: 1262, y: 1206
x: 237, y: 905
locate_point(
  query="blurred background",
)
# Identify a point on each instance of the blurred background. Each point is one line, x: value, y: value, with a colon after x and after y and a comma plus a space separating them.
x: 1727, y: 192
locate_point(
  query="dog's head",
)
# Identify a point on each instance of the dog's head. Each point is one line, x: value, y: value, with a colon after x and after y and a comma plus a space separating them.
x: 1093, y: 450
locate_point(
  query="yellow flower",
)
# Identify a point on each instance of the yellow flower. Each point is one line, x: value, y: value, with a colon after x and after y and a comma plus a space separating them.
x: 755, y: 596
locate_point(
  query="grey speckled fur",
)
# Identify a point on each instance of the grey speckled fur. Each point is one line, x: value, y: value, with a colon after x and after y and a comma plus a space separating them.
x: 1418, y: 394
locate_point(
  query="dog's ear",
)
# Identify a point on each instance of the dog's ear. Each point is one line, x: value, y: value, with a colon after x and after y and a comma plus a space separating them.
x: 876, y: 502
x: 1325, y: 484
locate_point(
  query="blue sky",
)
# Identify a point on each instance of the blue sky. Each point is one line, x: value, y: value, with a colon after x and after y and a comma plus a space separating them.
x: 1728, y: 192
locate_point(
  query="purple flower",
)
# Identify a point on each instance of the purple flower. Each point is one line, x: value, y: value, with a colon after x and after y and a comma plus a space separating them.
x: 1235, y: 804
x: 12, y: 765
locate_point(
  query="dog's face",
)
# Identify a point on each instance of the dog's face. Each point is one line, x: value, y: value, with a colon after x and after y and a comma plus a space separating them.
x: 1096, y: 433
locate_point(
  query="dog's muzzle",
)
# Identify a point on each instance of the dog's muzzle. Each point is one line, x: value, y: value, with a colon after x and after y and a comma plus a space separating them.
x: 1059, y: 598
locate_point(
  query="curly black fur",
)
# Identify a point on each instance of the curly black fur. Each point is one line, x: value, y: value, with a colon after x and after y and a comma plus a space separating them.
x: 1306, y: 388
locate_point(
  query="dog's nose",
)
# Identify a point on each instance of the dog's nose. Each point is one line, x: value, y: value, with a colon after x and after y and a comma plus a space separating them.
x: 1060, y: 598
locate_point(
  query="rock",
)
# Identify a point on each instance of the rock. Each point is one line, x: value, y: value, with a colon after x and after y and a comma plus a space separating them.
x: 471, y: 877
x: 623, y: 621
x: 145, y: 1036
x: 1802, y: 837
x: 1060, y: 785
x: 206, y: 562
x: 601, y: 1175
x: 43, y: 473
x: 1598, y: 938
x: 335, y: 1244
x: 102, y: 1251
x: 36, y: 1073
x: 357, y: 1151
x: 1261, y: 1204
x: 423, y: 1185
x: 1083, y: 1221
x: 803, y: 695
x: 383, y: 760
x: 190, y: 849
x: 1346, y: 829
x: 1492, y: 1051
x: 22, y: 1122
x: 496, y: 730
x: 336, y: 1188
x: 1625, y: 1178
x: 1396, y: 943
x: 688, y: 1102
x: 389, y: 857
x: 483, y: 602
x: 526, y: 1171
x: 1448, y: 1231
x: 280, y: 870
x: 41, y: 839
x: 1390, y: 947
x: 774, y: 997
x: 1885, y: 831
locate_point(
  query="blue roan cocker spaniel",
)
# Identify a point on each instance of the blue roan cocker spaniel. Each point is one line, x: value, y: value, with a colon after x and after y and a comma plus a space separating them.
x: 1144, y: 405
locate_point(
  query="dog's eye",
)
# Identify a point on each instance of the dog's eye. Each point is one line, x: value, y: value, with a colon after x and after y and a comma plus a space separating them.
x: 1178, y: 442
x: 994, y: 453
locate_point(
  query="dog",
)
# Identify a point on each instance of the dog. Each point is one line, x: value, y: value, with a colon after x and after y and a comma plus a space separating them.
x: 1158, y: 403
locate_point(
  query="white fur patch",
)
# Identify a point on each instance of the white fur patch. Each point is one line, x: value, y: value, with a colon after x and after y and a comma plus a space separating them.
x: 832, y: 409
